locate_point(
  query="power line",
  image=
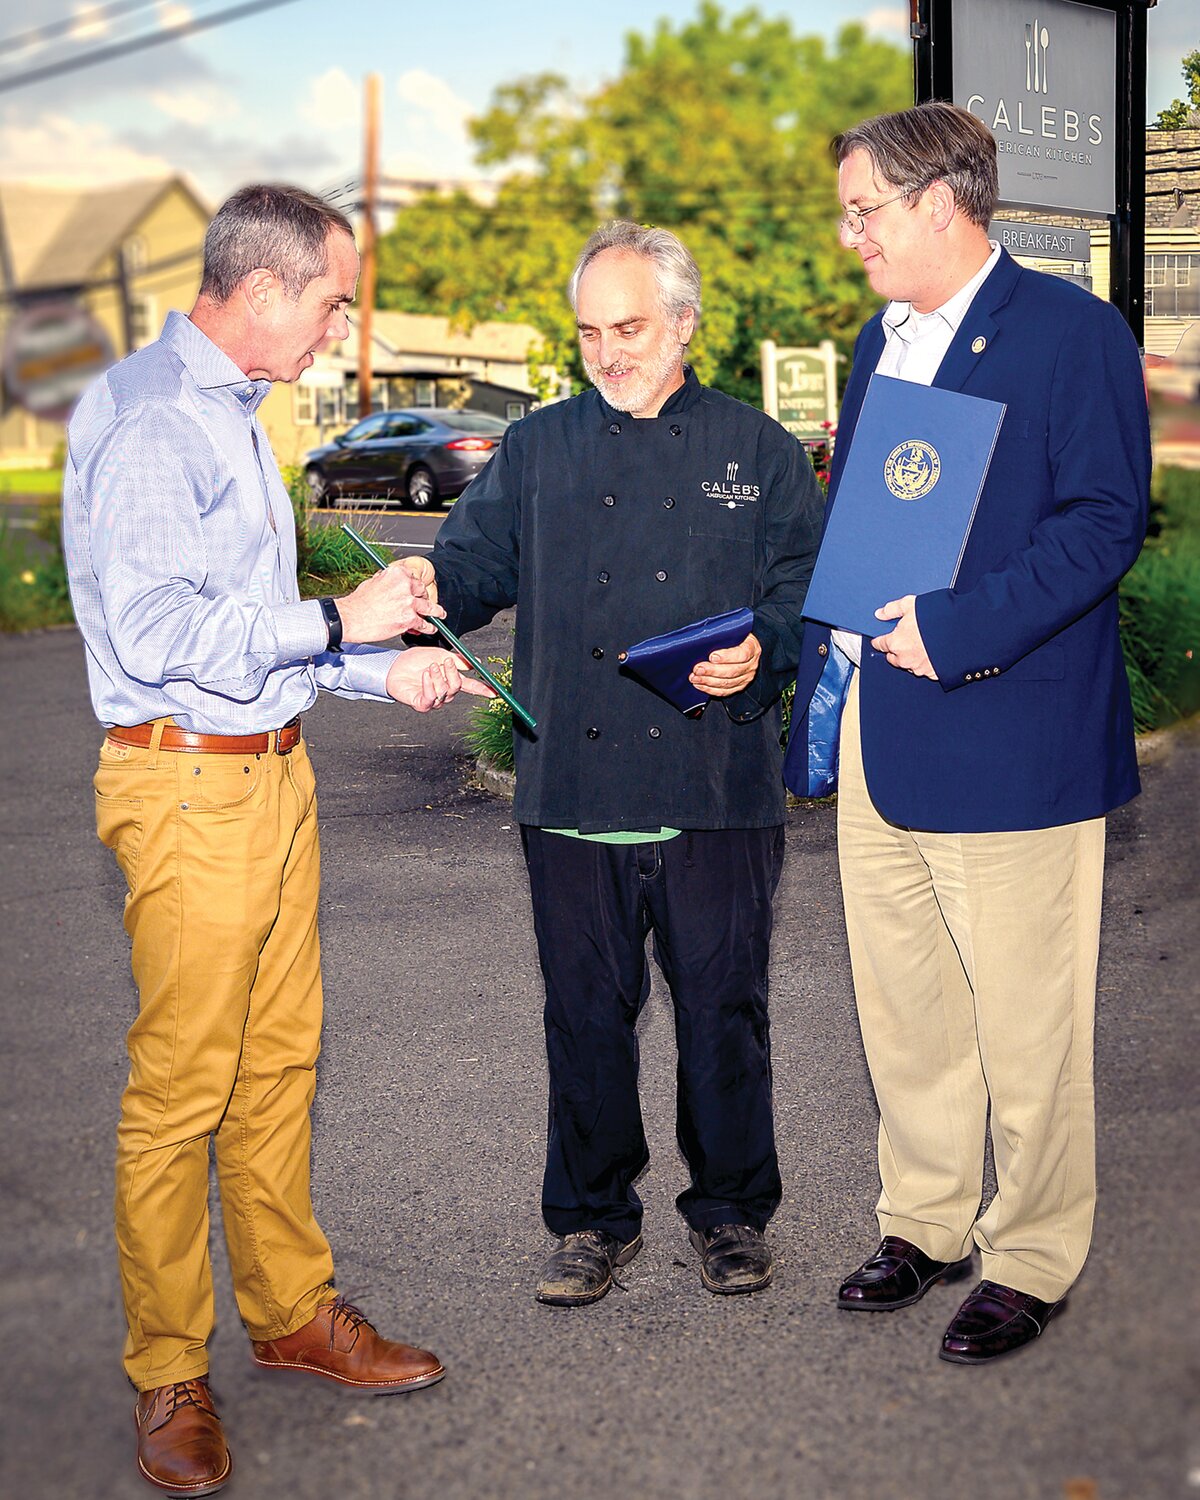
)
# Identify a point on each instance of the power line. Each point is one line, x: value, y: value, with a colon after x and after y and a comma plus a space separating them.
x: 139, y: 43
x: 52, y: 29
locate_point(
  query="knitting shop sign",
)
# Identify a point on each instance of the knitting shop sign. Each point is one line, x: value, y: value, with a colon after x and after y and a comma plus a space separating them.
x: 53, y: 349
x: 1042, y: 76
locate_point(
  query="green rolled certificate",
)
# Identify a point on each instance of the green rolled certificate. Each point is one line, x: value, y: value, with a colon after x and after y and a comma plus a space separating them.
x: 448, y: 635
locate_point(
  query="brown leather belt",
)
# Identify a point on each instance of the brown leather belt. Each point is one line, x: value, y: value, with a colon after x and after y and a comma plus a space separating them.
x: 281, y: 740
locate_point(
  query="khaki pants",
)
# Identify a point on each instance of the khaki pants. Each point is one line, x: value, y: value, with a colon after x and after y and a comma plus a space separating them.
x: 974, y: 960
x: 221, y: 859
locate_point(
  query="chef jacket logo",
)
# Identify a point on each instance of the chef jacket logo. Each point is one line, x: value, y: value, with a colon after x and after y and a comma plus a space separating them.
x: 912, y: 469
x: 729, y: 492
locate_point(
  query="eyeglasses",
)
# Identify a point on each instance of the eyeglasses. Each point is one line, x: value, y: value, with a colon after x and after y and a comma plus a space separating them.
x: 854, y: 221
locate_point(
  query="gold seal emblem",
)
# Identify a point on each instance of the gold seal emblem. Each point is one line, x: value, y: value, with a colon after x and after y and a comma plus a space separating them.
x: 912, y: 469
x: 979, y: 345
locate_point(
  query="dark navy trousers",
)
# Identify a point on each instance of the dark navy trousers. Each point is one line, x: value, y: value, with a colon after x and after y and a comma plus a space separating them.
x: 706, y: 895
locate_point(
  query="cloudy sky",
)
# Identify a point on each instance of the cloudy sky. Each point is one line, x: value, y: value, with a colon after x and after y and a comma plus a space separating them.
x: 277, y: 94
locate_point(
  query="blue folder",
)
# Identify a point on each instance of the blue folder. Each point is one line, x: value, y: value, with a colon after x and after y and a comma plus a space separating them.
x: 905, y: 501
x: 665, y: 662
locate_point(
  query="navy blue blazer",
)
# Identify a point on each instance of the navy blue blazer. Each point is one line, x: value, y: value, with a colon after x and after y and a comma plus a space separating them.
x: 1029, y: 724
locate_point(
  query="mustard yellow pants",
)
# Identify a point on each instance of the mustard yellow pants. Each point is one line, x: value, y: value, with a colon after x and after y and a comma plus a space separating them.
x: 220, y: 856
x: 974, y: 960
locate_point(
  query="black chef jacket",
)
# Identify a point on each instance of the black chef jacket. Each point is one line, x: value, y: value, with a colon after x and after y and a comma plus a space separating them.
x: 603, y: 529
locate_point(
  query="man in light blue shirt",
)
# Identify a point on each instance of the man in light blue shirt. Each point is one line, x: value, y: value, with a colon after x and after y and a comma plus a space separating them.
x: 201, y: 658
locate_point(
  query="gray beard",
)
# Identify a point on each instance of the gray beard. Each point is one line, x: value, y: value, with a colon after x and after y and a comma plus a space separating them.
x: 652, y: 374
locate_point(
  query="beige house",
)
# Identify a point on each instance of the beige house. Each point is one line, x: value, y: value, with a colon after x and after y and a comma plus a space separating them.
x: 1172, y: 241
x: 77, y: 243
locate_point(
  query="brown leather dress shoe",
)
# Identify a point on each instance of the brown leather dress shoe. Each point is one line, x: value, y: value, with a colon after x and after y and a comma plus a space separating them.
x: 897, y: 1275
x: 181, y: 1447
x: 995, y: 1320
x: 341, y: 1345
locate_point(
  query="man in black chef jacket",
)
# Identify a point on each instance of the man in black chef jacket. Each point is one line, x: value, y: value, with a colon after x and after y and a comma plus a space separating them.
x: 639, y: 506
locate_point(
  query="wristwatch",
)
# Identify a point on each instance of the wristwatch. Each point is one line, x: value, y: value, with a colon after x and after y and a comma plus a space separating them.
x: 333, y: 621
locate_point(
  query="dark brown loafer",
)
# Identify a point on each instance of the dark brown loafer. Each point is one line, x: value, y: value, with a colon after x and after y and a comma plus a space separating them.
x: 181, y: 1447
x: 341, y: 1345
x: 733, y: 1258
x: 897, y: 1275
x: 995, y: 1320
x: 580, y: 1268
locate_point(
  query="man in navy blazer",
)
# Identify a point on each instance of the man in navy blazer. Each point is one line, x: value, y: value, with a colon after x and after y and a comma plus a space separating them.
x: 984, y: 737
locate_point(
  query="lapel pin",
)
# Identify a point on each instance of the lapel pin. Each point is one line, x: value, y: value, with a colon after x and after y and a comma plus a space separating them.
x: 978, y: 345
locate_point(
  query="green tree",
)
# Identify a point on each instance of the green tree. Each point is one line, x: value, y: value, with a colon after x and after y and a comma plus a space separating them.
x: 719, y: 130
x: 1182, y: 114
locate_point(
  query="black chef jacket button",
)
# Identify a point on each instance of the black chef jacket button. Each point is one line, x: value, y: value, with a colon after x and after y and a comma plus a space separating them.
x: 675, y: 429
x: 610, y: 499
x: 614, y: 428
x: 822, y: 650
x: 669, y: 502
x: 601, y: 577
x: 661, y: 576
x: 598, y: 652
x: 593, y: 733
x: 654, y: 731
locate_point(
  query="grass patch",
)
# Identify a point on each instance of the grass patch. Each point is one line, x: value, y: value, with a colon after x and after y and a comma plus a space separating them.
x: 31, y: 481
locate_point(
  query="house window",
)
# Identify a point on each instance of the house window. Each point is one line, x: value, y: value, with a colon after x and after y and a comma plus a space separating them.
x: 304, y: 405
x: 514, y: 411
x: 134, y: 250
x: 1173, y: 286
x: 425, y: 393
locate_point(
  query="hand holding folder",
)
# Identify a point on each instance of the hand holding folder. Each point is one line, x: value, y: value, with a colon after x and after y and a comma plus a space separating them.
x: 905, y: 501
x: 448, y: 635
x: 666, y: 662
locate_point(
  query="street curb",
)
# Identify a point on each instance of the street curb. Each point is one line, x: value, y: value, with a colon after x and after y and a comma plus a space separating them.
x: 492, y: 779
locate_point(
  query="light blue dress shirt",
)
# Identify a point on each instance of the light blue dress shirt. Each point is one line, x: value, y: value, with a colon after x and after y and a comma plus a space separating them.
x: 181, y: 551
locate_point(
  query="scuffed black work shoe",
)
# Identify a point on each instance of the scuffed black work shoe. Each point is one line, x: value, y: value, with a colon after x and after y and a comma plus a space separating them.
x: 897, y: 1275
x: 580, y: 1269
x: 995, y: 1320
x: 733, y: 1258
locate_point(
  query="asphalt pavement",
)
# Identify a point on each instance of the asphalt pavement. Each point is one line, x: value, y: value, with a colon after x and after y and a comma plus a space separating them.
x: 428, y: 1137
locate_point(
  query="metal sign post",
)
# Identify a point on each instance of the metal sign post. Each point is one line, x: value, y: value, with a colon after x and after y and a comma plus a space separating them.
x: 1062, y: 86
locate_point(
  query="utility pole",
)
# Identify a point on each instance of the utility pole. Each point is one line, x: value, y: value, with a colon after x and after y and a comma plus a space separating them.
x: 366, y: 283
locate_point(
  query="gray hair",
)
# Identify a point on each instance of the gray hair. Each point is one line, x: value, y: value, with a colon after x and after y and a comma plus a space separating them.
x: 932, y: 142
x: 283, y: 229
x: 677, y: 274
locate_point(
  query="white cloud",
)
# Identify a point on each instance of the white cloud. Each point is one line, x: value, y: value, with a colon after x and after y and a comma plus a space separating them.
x: 334, y: 101
x: 55, y: 150
x: 891, y: 20
x: 195, y: 106
x: 431, y: 97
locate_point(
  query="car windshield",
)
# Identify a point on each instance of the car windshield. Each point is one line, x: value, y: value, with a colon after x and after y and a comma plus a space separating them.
x: 477, y: 422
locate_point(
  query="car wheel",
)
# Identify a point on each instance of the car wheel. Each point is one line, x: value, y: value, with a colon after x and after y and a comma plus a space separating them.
x: 319, y: 492
x: 422, y: 492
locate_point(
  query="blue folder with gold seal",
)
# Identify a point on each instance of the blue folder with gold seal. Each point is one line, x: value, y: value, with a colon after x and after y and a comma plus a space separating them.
x: 905, y: 501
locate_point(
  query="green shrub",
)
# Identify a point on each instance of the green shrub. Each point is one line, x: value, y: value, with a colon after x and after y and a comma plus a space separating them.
x: 327, y: 561
x: 1160, y: 633
x: 33, y: 580
x: 490, y: 726
x: 1175, y: 507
